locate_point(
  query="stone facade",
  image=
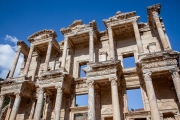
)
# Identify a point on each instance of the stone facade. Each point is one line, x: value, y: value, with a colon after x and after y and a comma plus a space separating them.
x: 49, y: 78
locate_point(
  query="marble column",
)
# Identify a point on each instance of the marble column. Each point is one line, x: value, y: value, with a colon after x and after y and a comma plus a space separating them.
x: 111, y: 43
x: 91, y: 101
x: 115, y: 99
x: 91, y: 46
x: 137, y: 36
x: 58, y: 102
x: 155, y: 115
x: 33, y: 103
x: 15, y: 106
x: 64, y: 53
x: 15, y: 62
x: 160, y: 30
x: 39, y: 104
x: 48, y: 55
x: 2, y: 97
x: 26, y: 69
x: 176, y: 81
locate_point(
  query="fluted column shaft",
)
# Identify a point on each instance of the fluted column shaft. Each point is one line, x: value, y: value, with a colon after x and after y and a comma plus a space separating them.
x: 15, y: 107
x: 137, y: 36
x: 64, y: 53
x: 155, y: 115
x: 91, y: 101
x: 91, y: 46
x: 160, y: 30
x: 176, y: 81
x: 26, y: 69
x: 48, y: 55
x: 2, y: 97
x: 111, y: 43
x: 115, y: 99
x: 58, y: 102
x: 39, y: 104
x: 15, y: 63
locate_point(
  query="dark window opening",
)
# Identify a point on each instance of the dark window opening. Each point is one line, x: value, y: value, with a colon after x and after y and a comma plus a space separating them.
x: 134, y: 99
x: 129, y: 61
x: 82, y: 71
x: 82, y: 100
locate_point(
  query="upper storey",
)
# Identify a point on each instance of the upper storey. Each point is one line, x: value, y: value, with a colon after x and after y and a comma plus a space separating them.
x: 79, y: 33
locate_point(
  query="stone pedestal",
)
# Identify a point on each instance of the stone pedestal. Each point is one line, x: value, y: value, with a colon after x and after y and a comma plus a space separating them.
x: 26, y: 69
x: 160, y: 30
x: 111, y: 43
x: 137, y: 36
x: 15, y: 107
x: 58, y: 102
x: 39, y: 104
x: 155, y: 115
x: 48, y: 55
x: 15, y: 63
x: 64, y: 53
x: 2, y: 97
x: 115, y: 99
x: 91, y: 46
x: 91, y: 101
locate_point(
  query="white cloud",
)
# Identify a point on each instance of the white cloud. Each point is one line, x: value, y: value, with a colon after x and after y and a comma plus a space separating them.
x: 11, y: 39
x: 7, y: 55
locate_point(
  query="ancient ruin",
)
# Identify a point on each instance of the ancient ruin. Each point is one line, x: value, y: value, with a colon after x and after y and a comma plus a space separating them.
x: 49, y: 79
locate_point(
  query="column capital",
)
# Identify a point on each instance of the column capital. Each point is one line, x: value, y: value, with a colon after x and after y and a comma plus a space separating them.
x: 113, y: 81
x: 109, y: 27
x: 134, y: 21
x: 2, y: 97
x: 40, y: 90
x: 59, y: 88
x: 147, y: 75
x: 91, y: 32
x: 90, y: 84
x: 174, y: 72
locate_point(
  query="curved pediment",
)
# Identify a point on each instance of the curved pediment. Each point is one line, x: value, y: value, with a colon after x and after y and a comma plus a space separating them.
x: 43, y: 34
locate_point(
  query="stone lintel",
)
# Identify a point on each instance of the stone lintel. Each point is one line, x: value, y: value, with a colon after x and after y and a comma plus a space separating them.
x: 24, y: 47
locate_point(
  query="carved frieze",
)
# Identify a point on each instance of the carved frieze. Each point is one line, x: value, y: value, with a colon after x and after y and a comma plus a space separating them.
x: 158, y: 59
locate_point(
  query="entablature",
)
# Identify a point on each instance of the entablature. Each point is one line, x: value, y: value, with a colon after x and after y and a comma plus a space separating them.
x: 24, y: 47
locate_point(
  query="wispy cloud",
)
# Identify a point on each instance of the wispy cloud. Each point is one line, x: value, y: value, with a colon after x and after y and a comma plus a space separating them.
x: 7, y: 55
x: 11, y: 38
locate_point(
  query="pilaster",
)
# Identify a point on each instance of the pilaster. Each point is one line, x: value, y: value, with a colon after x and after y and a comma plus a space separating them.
x: 2, y: 97
x: 137, y: 36
x: 64, y: 53
x: 160, y: 30
x: 15, y: 62
x: 176, y: 81
x: 39, y: 104
x: 155, y: 115
x: 91, y: 101
x: 115, y: 99
x: 26, y: 69
x: 58, y: 102
x: 48, y: 55
x: 91, y: 46
x: 15, y: 107
x: 111, y: 43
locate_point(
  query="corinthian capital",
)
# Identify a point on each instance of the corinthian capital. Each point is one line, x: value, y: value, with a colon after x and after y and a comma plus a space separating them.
x: 59, y: 88
x: 91, y: 32
x: 113, y: 81
x: 90, y: 84
x: 147, y: 75
x: 174, y: 73
x: 40, y: 91
x: 2, y: 97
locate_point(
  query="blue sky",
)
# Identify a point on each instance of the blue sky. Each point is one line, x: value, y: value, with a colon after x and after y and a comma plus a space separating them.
x: 19, y: 19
